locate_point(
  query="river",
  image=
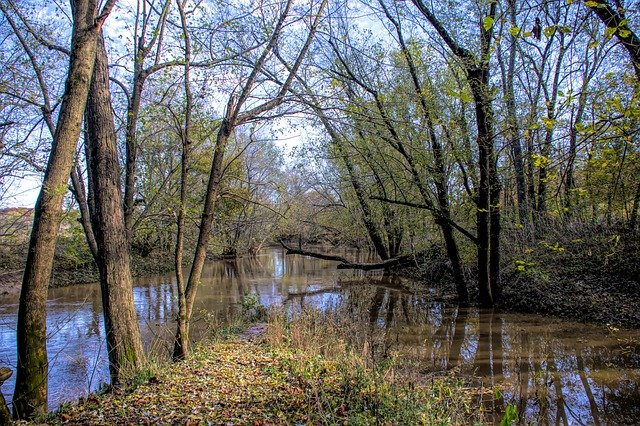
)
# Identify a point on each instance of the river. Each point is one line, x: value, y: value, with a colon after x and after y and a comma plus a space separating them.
x: 552, y: 370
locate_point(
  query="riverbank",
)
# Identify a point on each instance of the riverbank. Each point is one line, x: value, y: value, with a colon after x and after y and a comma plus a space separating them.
x: 587, y: 274
x: 300, y: 372
x: 66, y: 275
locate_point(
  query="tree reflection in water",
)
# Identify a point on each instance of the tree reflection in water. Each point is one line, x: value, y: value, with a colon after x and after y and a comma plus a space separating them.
x: 553, y: 371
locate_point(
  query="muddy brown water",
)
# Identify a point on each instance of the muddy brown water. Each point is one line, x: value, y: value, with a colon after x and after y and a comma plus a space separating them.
x: 553, y: 371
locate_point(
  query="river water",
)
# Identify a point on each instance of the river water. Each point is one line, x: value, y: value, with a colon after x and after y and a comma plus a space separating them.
x: 553, y: 371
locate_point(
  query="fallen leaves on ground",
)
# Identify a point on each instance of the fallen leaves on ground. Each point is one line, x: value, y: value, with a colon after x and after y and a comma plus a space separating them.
x: 236, y: 382
x: 241, y: 382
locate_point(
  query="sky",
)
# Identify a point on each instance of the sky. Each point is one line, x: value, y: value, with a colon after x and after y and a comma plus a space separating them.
x: 23, y: 193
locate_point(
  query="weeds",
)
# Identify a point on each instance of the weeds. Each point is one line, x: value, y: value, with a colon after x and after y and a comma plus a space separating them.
x: 345, y: 380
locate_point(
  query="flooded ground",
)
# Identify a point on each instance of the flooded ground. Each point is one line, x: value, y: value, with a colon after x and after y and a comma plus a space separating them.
x: 553, y: 371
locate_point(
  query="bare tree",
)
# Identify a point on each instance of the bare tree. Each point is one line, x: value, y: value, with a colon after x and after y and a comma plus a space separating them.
x: 235, y: 115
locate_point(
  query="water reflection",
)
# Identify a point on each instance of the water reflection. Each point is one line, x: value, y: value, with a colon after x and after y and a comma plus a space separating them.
x: 552, y: 371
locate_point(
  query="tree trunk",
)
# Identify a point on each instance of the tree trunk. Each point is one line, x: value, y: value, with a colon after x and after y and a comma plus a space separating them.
x: 80, y: 194
x: 181, y: 343
x: 124, y: 344
x: 133, y: 111
x: 633, y: 220
x: 233, y: 118
x: 488, y: 193
x: 512, y: 123
x: 367, y: 217
x: 443, y: 216
x: 30, y: 396
x: 485, y: 150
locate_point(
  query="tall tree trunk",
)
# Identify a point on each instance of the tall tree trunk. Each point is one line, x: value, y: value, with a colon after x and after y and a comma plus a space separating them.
x: 235, y: 117
x: 443, y: 216
x: 124, y: 344
x: 633, y: 219
x: 573, y: 143
x: 30, y: 395
x: 485, y: 150
x: 512, y: 123
x: 181, y: 343
x: 545, y: 152
x: 487, y: 200
x: 143, y: 49
x: 131, y: 147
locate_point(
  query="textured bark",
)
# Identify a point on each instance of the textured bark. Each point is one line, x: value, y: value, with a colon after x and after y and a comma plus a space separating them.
x: 181, y: 339
x: 512, y: 123
x: 30, y: 396
x: 124, y: 344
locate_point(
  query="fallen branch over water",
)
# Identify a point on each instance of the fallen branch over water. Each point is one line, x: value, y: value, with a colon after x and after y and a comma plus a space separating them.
x: 347, y: 264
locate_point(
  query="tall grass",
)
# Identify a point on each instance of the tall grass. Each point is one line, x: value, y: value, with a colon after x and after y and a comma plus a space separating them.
x: 349, y: 376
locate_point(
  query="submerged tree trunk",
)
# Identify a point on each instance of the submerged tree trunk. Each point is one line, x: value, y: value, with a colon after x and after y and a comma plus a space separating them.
x: 489, y: 188
x: 30, y: 396
x: 124, y: 344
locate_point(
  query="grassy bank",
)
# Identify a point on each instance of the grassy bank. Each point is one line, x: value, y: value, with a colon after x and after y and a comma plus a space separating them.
x: 309, y: 369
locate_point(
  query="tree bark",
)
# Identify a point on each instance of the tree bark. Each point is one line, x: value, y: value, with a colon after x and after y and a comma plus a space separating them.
x: 124, y: 344
x: 443, y: 216
x: 512, y: 123
x: 489, y: 188
x: 30, y: 396
x: 181, y: 343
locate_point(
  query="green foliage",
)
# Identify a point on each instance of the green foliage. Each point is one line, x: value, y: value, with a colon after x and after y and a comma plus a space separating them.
x: 251, y: 309
x: 510, y: 416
